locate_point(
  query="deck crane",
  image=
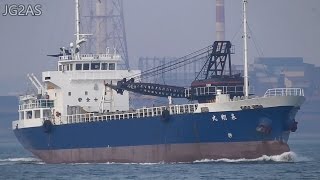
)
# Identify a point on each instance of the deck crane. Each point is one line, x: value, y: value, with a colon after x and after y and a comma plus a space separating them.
x: 212, y: 77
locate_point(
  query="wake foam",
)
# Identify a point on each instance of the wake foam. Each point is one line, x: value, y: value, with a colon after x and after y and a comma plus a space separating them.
x: 286, y: 157
x: 30, y: 160
x: 117, y: 163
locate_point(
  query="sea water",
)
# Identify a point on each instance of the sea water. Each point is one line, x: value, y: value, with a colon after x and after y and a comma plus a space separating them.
x: 303, y: 162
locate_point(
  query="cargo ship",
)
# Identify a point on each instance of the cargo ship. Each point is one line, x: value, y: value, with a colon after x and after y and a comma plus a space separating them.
x: 81, y: 114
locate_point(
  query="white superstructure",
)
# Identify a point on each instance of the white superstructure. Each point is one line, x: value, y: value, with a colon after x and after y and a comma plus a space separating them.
x: 80, y: 83
x: 76, y: 87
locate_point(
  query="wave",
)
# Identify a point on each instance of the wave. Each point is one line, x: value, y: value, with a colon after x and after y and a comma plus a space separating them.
x: 21, y: 160
x: 286, y: 157
x: 118, y: 163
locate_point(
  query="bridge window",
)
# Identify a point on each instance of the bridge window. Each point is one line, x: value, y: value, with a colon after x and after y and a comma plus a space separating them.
x: 86, y: 66
x: 95, y: 66
x: 112, y: 66
x: 104, y: 66
x: 71, y: 67
x: 78, y: 66
x: 60, y: 67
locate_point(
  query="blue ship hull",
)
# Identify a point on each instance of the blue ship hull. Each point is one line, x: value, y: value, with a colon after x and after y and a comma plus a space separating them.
x: 182, y: 137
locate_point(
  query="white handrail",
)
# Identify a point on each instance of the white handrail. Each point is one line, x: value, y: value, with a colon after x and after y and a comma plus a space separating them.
x: 284, y: 92
x: 138, y: 113
x: 40, y: 103
x: 92, y: 56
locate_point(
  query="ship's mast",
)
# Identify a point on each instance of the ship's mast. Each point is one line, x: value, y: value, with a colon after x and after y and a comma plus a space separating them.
x: 245, y: 48
x: 77, y: 22
x: 79, y: 40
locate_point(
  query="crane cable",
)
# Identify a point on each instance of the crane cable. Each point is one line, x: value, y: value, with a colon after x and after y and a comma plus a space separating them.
x: 174, y: 64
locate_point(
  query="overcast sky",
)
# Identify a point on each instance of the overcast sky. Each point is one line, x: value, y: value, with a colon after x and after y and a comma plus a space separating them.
x: 159, y: 28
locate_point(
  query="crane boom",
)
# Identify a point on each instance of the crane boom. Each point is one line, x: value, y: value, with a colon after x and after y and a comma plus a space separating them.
x: 152, y: 89
x: 204, y: 90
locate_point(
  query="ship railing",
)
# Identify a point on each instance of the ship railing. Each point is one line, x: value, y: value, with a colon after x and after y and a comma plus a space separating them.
x: 27, y: 97
x: 79, y: 118
x: 39, y: 103
x: 212, y: 90
x: 100, y: 56
x: 139, y: 113
x: 92, y: 57
x: 284, y: 92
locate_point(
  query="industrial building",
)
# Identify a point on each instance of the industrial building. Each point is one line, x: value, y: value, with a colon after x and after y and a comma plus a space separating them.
x: 271, y: 72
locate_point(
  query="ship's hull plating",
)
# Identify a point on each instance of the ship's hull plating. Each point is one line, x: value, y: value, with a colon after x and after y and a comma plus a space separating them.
x: 164, y: 152
x: 181, y: 138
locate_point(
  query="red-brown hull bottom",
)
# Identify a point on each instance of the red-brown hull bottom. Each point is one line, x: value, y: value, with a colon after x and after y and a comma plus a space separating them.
x: 164, y: 153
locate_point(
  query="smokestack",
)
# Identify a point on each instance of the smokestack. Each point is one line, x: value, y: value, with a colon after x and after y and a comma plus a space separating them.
x: 220, y: 34
x: 101, y: 27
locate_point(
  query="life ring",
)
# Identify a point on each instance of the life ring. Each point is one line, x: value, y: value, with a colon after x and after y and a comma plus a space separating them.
x: 165, y: 116
x: 47, y: 126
